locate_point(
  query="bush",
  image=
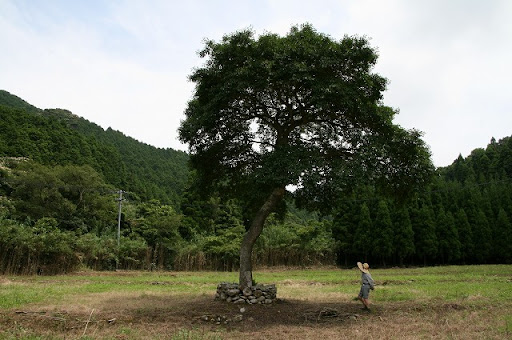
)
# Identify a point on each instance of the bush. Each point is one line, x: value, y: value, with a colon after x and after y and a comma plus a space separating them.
x: 42, y: 249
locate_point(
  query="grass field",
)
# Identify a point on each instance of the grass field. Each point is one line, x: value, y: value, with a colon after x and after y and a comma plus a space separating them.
x: 456, y: 302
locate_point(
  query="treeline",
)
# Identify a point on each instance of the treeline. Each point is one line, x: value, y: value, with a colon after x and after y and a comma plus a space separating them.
x: 59, y: 175
x: 53, y: 221
x: 62, y: 218
x: 463, y: 217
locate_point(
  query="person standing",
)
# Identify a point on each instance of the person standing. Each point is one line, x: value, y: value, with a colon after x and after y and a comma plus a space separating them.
x: 366, y: 284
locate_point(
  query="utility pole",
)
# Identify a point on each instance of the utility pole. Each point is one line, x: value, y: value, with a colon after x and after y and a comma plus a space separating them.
x: 120, y: 200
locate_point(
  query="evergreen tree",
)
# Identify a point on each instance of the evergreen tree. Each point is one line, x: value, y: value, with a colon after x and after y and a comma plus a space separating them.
x: 403, y: 235
x: 503, y: 238
x: 482, y: 237
x: 465, y: 236
x: 459, y: 170
x: 425, y: 234
x: 344, y: 224
x: 363, y: 234
x: 382, y: 236
x: 448, y: 238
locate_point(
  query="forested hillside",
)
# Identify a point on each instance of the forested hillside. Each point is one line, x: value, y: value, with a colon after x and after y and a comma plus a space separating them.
x: 58, y: 137
x: 59, y: 175
x: 12, y: 101
x: 462, y: 217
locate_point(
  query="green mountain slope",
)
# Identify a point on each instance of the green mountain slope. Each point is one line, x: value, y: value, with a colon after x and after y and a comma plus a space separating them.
x: 13, y: 101
x: 58, y: 137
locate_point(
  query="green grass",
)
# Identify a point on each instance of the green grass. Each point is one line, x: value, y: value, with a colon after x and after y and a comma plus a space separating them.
x: 474, y: 300
x: 484, y: 284
x: 21, y: 290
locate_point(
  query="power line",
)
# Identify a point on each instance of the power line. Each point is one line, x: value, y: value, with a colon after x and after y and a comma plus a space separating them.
x: 462, y: 187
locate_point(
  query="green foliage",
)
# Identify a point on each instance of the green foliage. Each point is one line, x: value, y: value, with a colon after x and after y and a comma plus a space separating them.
x: 73, y: 195
x: 133, y: 252
x: 42, y: 249
x: 58, y: 137
x: 295, y: 244
x: 214, y: 232
x: 224, y: 243
x: 345, y: 221
x: 503, y: 237
x: 301, y: 109
x: 403, y: 234
x: 97, y: 252
x: 57, y: 212
x: 448, y: 236
x: 158, y: 225
x: 482, y: 233
x: 465, y: 235
x: 382, y: 236
x: 47, y: 250
x: 425, y: 233
x: 13, y: 101
x: 148, y: 172
x: 363, y: 234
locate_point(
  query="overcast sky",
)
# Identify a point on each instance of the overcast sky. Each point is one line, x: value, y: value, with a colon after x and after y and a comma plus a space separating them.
x: 125, y: 64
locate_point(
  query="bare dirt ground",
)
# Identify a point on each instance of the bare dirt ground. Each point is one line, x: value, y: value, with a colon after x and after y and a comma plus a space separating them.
x: 157, y: 316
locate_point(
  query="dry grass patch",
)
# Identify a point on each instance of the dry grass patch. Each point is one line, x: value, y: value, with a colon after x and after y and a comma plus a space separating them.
x: 142, y: 306
x: 152, y: 316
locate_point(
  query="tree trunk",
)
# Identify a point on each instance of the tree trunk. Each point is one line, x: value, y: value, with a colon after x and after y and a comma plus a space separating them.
x: 250, y: 237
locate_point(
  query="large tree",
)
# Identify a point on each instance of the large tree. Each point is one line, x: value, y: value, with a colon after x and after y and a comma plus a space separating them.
x: 301, y: 109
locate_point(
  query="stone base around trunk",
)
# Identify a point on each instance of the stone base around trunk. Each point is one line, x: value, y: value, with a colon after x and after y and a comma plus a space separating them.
x: 258, y: 294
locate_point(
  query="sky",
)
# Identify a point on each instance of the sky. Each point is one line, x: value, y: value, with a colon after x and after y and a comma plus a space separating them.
x: 125, y: 64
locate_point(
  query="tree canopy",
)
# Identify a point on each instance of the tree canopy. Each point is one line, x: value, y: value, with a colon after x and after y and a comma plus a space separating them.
x: 302, y: 110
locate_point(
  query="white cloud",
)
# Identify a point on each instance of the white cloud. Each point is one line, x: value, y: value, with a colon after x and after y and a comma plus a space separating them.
x: 125, y: 64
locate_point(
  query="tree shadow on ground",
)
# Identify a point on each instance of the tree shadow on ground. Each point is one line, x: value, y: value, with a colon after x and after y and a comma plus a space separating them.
x: 204, y: 311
